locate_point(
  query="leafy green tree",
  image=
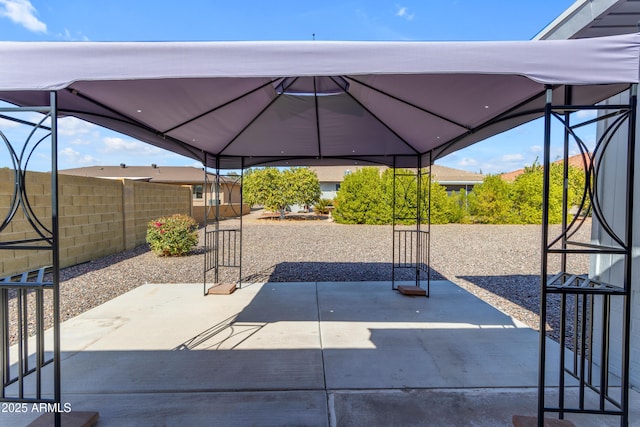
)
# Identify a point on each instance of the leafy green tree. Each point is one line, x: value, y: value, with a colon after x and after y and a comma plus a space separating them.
x: 276, y: 189
x: 526, y: 192
x: 575, y: 188
x: 444, y: 208
x: 360, y: 199
x: 366, y: 197
x: 304, y: 185
x: 405, y: 196
x: 460, y: 208
x: 490, y: 203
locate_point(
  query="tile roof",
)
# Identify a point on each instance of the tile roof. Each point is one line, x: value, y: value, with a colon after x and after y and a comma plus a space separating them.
x: 575, y: 161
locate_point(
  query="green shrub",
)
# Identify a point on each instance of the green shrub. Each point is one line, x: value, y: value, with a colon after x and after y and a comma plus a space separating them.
x: 173, y: 235
x: 322, y: 206
x: 445, y: 208
x: 490, y: 202
x: 360, y: 199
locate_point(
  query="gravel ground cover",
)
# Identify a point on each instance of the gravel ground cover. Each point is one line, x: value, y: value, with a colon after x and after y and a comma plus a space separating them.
x: 498, y: 263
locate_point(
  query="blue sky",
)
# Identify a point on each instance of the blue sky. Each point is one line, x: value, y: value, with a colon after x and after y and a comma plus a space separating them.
x: 82, y: 144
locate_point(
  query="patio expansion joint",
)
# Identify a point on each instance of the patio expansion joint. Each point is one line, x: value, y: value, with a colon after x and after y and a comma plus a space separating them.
x: 194, y: 391
x: 329, y: 397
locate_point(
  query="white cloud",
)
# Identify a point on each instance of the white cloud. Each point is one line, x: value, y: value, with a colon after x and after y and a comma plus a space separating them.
x: 130, y: 148
x: 113, y: 144
x: 80, y: 141
x: 6, y: 124
x: 536, y: 148
x: 73, y: 158
x: 403, y: 12
x: 587, y: 114
x: 466, y: 161
x: 23, y: 13
x: 380, y: 31
x: 512, y: 158
x: 490, y: 168
x: 67, y: 36
x: 70, y: 126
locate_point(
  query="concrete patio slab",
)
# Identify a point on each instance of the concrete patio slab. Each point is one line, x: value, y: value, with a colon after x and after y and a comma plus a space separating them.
x: 452, y: 339
x: 317, y: 354
x: 486, y: 407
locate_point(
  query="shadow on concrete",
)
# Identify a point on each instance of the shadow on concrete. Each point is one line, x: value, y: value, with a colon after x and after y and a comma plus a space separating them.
x: 316, y: 354
x: 524, y: 290
x: 334, y: 272
x: 520, y: 289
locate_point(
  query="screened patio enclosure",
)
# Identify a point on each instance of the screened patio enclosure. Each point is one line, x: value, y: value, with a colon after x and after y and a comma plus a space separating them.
x: 233, y: 105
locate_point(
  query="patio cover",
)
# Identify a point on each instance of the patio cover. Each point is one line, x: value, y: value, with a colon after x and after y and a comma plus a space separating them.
x: 314, y: 102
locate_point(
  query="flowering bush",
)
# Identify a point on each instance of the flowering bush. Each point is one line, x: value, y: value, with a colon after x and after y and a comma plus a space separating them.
x: 173, y: 235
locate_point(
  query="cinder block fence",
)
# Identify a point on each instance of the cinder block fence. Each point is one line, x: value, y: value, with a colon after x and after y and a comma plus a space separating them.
x: 98, y: 217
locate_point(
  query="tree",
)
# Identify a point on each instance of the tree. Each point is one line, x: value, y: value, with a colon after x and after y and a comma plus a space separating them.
x: 276, y: 189
x: 460, y: 209
x: 366, y: 197
x: 405, y: 196
x: 490, y: 203
x: 360, y: 199
x: 526, y: 194
x: 304, y: 184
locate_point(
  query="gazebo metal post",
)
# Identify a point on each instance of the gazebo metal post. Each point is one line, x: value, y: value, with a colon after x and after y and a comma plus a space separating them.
x: 628, y: 266
x: 211, y: 237
x: 55, y: 243
x: 216, y: 244
x: 591, y: 340
x: 543, y: 252
x: 241, y: 215
x: 205, y: 222
x: 563, y: 257
x: 419, y: 255
x: 34, y: 282
x: 411, y: 246
x: 427, y: 244
x: 223, y: 246
x: 393, y: 228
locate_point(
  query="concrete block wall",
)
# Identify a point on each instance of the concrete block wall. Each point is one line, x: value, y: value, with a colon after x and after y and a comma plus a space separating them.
x: 98, y: 217
x: 90, y: 218
x: 150, y: 201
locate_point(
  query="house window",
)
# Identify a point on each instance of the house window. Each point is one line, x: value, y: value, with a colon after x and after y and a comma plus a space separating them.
x: 197, y: 191
x: 337, y: 187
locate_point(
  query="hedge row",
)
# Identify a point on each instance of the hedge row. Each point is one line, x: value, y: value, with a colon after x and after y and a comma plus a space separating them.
x: 366, y: 197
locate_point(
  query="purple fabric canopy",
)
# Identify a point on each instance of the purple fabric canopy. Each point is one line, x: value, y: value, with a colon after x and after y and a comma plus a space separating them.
x: 314, y: 102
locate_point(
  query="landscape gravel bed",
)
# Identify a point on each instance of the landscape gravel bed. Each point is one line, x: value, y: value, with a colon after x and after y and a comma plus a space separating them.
x: 498, y: 263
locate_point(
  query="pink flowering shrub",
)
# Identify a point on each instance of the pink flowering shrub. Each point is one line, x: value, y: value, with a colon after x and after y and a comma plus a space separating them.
x: 174, y: 235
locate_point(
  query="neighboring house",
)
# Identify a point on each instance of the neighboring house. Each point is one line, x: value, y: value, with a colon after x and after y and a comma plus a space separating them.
x: 455, y: 179
x: 331, y: 177
x: 576, y: 161
x: 230, y: 189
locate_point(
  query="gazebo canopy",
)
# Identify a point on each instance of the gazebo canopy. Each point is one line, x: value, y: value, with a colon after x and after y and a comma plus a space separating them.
x: 314, y: 102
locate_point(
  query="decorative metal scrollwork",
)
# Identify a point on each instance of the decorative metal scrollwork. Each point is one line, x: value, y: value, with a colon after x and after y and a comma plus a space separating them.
x: 20, y: 198
x: 590, y: 202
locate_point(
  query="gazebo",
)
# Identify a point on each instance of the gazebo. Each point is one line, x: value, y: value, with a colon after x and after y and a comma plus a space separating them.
x: 233, y: 105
